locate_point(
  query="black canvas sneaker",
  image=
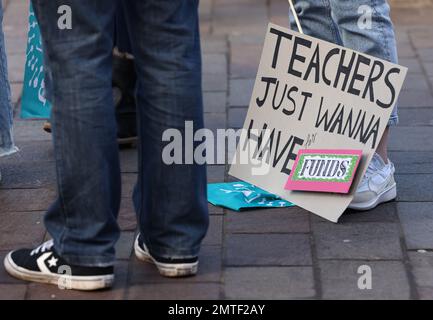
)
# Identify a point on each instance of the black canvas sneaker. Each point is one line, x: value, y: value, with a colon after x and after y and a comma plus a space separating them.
x: 167, y: 267
x: 43, y: 264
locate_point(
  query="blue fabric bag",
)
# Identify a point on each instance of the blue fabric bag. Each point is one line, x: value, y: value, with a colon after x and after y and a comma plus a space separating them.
x: 33, y: 102
x: 241, y: 195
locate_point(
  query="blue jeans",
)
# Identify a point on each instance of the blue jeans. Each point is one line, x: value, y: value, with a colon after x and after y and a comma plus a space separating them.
x: 337, y: 21
x: 170, y: 200
x: 6, y: 141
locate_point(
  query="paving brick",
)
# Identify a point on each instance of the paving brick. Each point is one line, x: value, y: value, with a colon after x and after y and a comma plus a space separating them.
x: 214, y: 44
x: 244, y: 60
x: 174, y: 291
x: 129, y: 160
x: 28, y: 152
x: 422, y: 269
x: 24, y: 174
x: 16, y: 90
x: 406, y: 51
x: 21, y: 200
x: 124, y: 245
x: 210, y: 266
x: 127, y: 218
x: 214, y: 234
x: 16, y: 63
x: 128, y: 183
x: 240, y: 92
x: 415, y: 99
x: 415, y: 187
x: 37, y: 291
x: 269, y: 283
x: 5, y: 278
x: 215, y: 121
x: 417, y: 222
x: 411, y: 139
x: 238, y: 18
x: 425, y: 293
x: 412, y: 64
x: 212, y: 82
x: 30, y: 130
x: 384, y: 213
x: 236, y: 117
x: 425, y: 54
x: 12, y: 291
x: 415, y: 117
x: 267, y: 250
x: 215, y: 210
x: 417, y: 82
x: 215, y: 174
x: 412, y: 162
x: 21, y: 229
x: 372, y: 241
x: 428, y: 67
x: 277, y: 220
x: 215, y: 102
x: 214, y: 64
x: 340, y: 280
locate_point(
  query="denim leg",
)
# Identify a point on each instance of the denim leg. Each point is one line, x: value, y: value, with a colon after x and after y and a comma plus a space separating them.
x: 82, y: 221
x: 170, y: 200
x: 316, y: 20
x: 377, y: 40
x: 6, y: 141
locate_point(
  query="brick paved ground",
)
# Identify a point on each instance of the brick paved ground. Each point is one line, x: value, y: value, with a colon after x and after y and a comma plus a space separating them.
x: 280, y: 253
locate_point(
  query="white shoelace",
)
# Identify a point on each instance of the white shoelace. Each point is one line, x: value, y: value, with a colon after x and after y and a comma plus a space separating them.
x: 43, y: 247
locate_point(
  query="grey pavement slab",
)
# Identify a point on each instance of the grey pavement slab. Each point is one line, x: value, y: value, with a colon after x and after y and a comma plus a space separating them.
x: 278, y: 220
x: 417, y: 222
x: 236, y: 117
x: 269, y: 283
x: 214, y: 234
x: 383, y: 213
x: 372, y: 241
x: 412, y: 162
x: 415, y: 117
x: 20, y: 229
x: 124, y: 245
x: 12, y: 291
x: 414, y: 187
x: 210, y: 269
x: 240, y: 92
x: 340, y: 280
x: 267, y: 250
x: 244, y: 60
x: 215, y: 102
x: 23, y: 200
x: 411, y: 139
x: 174, y: 291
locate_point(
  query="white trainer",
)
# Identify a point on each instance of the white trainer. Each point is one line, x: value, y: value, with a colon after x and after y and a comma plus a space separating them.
x: 377, y: 185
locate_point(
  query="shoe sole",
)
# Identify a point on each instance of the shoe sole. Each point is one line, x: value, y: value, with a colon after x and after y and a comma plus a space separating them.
x: 387, y: 195
x: 169, y: 270
x: 82, y: 283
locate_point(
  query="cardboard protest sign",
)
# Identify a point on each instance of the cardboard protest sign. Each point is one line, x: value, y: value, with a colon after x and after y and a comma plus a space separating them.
x: 324, y: 170
x: 312, y: 94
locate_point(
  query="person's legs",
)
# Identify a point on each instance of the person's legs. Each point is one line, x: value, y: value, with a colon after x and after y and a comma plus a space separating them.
x: 6, y: 141
x: 170, y: 200
x: 316, y: 20
x: 376, y: 39
x: 82, y: 221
